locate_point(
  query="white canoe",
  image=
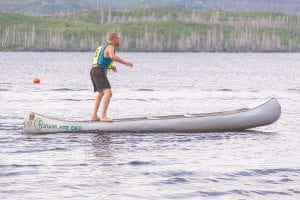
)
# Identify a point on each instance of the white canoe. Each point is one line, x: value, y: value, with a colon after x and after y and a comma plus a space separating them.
x: 236, y: 120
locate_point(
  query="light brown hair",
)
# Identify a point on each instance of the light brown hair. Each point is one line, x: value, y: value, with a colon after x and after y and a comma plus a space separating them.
x: 112, y: 36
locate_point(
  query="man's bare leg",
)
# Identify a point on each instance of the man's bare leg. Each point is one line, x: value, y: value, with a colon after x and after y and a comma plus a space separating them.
x: 96, y: 106
x: 105, y: 103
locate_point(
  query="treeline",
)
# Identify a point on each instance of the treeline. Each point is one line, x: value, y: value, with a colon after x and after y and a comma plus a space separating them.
x: 153, y: 30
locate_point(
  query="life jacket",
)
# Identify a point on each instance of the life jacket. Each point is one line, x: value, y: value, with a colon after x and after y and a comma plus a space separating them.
x: 100, y: 60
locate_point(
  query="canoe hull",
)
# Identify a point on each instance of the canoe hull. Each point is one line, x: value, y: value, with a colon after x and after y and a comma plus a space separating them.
x: 264, y: 114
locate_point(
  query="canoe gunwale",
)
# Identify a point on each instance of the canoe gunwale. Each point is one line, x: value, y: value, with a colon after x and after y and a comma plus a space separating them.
x: 173, y: 116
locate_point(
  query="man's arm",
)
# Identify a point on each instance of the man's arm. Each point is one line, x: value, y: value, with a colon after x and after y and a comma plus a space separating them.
x: 114, y: 57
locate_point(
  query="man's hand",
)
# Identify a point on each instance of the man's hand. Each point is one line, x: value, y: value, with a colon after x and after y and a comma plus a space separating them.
x: 114, y: 69
x: 129, y: 64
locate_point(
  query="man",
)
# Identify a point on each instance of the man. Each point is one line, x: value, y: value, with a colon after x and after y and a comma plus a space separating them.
x: 103, y: 59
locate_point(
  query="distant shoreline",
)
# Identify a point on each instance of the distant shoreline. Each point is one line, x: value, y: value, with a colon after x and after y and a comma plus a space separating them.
x: 153, y: 30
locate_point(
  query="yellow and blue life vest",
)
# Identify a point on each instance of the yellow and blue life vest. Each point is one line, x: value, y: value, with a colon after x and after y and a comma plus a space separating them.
x: 99, y: 59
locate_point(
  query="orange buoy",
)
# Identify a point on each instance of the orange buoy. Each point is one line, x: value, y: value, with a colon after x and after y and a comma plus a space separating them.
x: 36, y: 80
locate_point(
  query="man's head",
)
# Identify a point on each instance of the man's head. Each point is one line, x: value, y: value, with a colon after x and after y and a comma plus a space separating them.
x: 113, y: 39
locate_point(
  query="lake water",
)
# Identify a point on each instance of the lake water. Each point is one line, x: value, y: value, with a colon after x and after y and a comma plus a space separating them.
x: 260, y: 164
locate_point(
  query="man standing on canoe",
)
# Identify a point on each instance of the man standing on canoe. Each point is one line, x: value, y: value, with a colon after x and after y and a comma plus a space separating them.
x: 103, y: 59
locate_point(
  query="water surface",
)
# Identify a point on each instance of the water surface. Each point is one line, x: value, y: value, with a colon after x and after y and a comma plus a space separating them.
x: 263, y: 163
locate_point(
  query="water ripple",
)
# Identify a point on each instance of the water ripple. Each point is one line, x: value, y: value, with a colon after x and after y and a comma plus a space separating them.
x: 138, y: 163
x: 67, y: 89
x: 259, y: 172
x: 175, y: 180
x: 145, y: 90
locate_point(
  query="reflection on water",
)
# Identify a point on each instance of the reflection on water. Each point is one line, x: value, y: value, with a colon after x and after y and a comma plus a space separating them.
x: 102, y: 146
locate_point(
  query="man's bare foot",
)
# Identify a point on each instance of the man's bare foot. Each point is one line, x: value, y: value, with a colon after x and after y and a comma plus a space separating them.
x: 95, y: 119
x: 106, y: 119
